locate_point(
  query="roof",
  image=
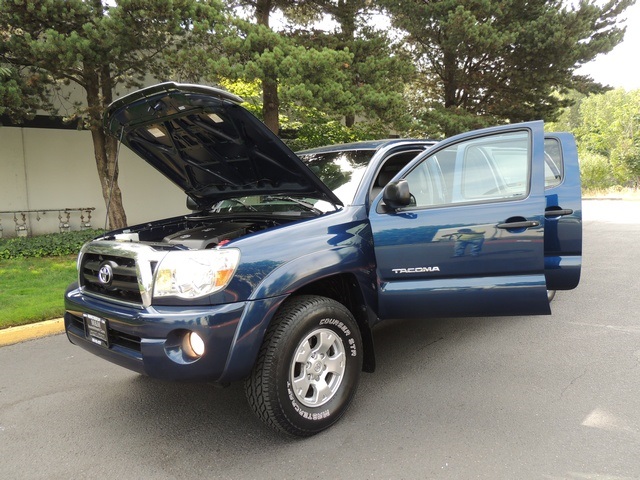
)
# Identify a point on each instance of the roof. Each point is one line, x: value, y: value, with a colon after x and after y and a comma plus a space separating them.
x: 364, y: 145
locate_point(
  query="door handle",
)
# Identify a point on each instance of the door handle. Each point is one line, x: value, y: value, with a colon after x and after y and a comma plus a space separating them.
x: 558, y: 213
x: 516, y: 225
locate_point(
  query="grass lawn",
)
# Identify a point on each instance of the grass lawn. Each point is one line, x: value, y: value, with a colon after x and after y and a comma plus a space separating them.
x: 32, y: 289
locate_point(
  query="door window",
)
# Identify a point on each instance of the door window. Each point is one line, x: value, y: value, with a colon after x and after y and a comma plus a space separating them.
x: 482, y: 169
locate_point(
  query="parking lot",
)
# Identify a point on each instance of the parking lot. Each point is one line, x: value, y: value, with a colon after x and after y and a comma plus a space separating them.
x: 554, y: 397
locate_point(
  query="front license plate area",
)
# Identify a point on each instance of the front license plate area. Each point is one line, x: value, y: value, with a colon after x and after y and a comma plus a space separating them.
x: 96, y: 329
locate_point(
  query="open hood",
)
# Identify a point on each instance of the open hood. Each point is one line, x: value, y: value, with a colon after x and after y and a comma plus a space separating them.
x: 201, y: 139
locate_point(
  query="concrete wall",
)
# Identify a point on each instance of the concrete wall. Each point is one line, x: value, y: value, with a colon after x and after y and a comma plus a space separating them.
x: 51, y: 169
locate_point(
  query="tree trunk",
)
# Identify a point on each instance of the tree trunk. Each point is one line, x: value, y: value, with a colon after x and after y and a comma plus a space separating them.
x: 270, y: 100
x: 349, y: 120
x: 271, y: 105
x: 99, y: 89
x: 450, y: 89
x: 345, y: 13
x: 449, y: 79
x: 105, y: 149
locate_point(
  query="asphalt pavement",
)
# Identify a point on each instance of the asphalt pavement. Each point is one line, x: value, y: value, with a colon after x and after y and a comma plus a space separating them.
x: 552, y: 397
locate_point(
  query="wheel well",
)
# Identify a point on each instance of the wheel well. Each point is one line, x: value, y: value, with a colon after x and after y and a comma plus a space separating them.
x: 344, y: 288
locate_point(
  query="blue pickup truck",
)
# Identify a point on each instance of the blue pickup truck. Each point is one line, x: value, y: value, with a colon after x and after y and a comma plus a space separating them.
x: 288, y: 261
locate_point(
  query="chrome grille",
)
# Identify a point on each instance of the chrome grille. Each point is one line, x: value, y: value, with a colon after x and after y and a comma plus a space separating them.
x: 131, y: 266
x: 124, y: 285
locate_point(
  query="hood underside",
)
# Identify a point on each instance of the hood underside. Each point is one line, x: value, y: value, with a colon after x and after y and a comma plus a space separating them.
x: 206, y: 143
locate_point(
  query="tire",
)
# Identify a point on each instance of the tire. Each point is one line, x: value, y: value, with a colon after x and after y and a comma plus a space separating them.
x: 551, y: 295
x: 308, y: 367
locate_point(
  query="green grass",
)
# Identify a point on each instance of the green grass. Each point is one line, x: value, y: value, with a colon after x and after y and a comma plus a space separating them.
x: 32, y: 289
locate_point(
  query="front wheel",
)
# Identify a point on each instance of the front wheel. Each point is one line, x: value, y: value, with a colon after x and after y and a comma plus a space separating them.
x: 308, y: 367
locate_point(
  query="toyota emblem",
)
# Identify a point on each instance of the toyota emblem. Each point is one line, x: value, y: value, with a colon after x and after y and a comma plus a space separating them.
x: 105, y: 274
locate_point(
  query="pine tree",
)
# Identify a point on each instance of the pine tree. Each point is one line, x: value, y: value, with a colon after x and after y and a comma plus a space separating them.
x: 482, y: 62
x: 97, y: 46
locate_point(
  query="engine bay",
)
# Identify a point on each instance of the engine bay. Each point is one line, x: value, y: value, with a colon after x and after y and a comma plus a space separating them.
x: 208, y: 236
x: 193, y: 232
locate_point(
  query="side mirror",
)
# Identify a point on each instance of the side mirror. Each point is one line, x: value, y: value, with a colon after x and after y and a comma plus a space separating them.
x: 192, y: 204
x: 397, y: 195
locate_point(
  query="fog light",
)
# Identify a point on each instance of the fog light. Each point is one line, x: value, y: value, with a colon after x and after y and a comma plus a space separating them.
x: 196, y: 343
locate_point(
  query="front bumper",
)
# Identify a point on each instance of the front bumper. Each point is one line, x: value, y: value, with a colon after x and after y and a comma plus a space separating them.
x: 151, y: 341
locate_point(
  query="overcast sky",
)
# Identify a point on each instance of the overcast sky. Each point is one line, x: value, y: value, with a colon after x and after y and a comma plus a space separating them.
x: 620, y: 67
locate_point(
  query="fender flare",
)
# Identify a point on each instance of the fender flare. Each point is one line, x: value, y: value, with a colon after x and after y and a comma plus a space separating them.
x: 275, y: 289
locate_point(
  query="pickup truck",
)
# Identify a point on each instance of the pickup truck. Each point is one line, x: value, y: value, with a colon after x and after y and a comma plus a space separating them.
x: 288, y: 261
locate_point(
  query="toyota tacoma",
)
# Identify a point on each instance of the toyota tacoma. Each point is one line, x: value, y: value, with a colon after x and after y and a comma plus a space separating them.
x: 287, y: 261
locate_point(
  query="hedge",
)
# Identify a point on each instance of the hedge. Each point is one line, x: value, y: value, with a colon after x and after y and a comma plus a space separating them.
x: 50, y: 245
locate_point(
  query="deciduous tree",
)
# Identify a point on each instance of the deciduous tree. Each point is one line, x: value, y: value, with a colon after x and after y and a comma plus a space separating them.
x: 610, y: 127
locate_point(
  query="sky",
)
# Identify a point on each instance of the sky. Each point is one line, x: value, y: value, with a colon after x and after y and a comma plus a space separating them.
x: 620, y: 67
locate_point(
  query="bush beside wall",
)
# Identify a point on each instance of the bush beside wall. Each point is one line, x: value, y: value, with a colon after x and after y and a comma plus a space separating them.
x: 50, y: 245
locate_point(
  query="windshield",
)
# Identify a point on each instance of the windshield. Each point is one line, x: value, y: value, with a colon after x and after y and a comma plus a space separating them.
x: 283, y: 204
x: 341, y: 171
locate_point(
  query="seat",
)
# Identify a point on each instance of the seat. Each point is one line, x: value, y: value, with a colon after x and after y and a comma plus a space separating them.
x: 384, y: 177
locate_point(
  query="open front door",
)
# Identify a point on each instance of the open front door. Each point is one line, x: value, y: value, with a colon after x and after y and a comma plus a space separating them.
x: 471, y: 240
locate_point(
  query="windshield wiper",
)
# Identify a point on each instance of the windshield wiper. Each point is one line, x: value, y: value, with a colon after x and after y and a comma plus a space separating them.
x: 302, y: 203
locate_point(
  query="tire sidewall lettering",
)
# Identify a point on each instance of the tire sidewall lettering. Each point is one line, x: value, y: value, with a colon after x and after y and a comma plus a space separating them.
x: 300, y: 409
x: 325, y: 412
x: 337, y: 323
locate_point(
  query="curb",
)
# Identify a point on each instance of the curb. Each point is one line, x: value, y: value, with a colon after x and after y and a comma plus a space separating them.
x: 23, y: 333
x: 617, y: 199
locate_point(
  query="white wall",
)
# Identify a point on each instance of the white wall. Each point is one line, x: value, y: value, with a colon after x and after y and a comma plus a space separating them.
x: 55, y: 169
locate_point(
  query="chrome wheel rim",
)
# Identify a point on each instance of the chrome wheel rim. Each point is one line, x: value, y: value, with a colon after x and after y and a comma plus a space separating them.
x: 318, y: 367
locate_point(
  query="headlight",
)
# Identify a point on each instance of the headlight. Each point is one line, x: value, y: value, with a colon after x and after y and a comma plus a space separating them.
x: 195, y: 273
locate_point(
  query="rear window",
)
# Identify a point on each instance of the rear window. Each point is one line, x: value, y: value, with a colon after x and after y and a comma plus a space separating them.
x: 553, y: 165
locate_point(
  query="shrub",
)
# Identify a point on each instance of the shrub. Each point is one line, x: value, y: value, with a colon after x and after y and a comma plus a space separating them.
x: 596, y: 172
x: 50, y: 245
